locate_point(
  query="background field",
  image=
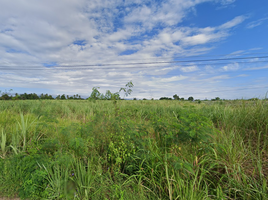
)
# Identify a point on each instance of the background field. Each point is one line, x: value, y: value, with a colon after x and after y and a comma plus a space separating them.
x: 64, y: 149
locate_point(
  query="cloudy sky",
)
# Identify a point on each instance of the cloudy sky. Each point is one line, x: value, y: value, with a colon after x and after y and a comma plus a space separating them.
x: 199, y: 48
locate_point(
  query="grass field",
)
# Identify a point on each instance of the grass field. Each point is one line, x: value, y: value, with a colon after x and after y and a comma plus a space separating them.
x: 64, y: 149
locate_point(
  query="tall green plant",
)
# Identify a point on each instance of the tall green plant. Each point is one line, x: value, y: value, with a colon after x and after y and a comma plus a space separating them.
x: 24, y: 126
x: 3, y: 144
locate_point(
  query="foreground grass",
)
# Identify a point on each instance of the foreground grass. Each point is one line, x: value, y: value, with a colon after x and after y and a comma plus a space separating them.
x: 133, y: 149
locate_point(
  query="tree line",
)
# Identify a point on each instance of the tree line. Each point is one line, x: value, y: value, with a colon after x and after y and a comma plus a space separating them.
x: 95, y: 95
x: 34, y: 96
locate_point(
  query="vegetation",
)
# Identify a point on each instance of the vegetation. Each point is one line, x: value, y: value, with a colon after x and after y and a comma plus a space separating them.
x: 134, y: 149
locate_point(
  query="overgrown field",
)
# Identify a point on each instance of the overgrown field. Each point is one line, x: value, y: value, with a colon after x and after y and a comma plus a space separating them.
x: 64, y: 149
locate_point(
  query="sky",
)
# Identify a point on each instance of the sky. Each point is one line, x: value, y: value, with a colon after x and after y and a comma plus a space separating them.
x: 199, y: 48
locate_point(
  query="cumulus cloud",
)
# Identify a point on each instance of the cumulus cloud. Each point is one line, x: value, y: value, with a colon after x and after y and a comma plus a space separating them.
x: 36, y: 37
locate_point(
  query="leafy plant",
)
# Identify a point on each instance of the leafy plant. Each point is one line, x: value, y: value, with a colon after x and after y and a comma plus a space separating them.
x: 24, y: 125
x: 3, y: 144
x: 127, y: 89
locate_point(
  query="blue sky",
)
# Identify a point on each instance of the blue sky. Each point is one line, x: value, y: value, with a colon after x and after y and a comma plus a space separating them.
x: 62, y: 47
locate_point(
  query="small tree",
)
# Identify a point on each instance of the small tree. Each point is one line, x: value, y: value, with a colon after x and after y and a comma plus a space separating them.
x: 95, y: 94
x: 127, y: 89
x: 63, y: 97
x: 176, y: 97
x: 190, y: 98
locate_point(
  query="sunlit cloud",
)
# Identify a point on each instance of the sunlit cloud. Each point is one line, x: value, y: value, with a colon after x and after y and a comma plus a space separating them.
x: 64, y: 48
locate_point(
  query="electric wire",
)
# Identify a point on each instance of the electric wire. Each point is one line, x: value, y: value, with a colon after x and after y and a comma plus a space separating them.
x: 100, y: 66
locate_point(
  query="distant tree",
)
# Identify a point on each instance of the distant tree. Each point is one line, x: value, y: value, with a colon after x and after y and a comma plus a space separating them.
x: 24, y: 96
x: 182, y: 99
x: 5, y: 97
x: 165, y: 98
x: 144, y: 99
x: 35, y: 96
x: 135, y: 98
x: 176, y: 97
x: 63, y: 97
x: 127, y: 89
x: 16, y: 97
x: 253, y: 99
x: 42, y: 96
x: 95, y: 94
x: 197, y: 100
x: 217, y: 98
x: 108, y: 95
x: 115, y: 96
x: 190, y: 98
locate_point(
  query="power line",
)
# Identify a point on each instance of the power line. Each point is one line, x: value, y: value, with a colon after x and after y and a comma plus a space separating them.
x: 89, y: 66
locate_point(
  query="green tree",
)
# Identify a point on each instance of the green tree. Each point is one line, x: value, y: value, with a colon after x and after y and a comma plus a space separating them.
x: 95, y: 94
x: 190, y: 98
x: 165, y: 98
x: 176, y: 97
x: 63, y: 97
x: 127, y: 89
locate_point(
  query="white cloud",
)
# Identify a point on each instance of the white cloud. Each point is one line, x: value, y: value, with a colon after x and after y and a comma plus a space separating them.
x: 112, y: 31
x: 189, y: 69
x: 231, y: 67
x: 171, y: 79
x: 243, y: 75
x: 203, y: 38
x: 256, y: 23
x: 234, y: 22
x: 256, y: 68
x: 226, y: 2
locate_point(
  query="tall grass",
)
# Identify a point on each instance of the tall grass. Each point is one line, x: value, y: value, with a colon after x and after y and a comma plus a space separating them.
x: 134, y: 149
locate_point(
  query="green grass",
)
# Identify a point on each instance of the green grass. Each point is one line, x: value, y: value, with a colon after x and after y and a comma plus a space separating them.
x: 53, y: 149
